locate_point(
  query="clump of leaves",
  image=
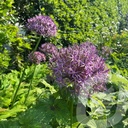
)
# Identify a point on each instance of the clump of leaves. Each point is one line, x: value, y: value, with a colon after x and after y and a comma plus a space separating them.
x: 9, y: 83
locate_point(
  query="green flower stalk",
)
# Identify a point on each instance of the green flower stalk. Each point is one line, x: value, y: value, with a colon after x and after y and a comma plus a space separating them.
x: 45, y: 27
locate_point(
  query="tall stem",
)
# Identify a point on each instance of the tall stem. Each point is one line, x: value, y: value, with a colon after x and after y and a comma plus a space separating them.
x: 15, y: 94
x: 37, y: 44
x: 30, y: 86
x: 21, y: 78
x: 71, y: 114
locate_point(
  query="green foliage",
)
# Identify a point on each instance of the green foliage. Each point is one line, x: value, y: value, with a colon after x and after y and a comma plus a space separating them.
x: 118, y: 79
x: 43, y: 114
x: 12, y: 45
x: 5, y: 31
x: 77, y: 21
x: 26, y: 9
x: 120, y: 46
x: 9, y: 83
x: 6, y: 11
x: 105, y: 108
x: 82, y: 21
x: 122, y: 10
x: 119, y: 55
x: 46, y: 113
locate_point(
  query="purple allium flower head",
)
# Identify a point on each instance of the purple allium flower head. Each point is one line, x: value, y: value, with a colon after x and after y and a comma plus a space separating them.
x: 36, y: 57
x: 81, y: 66
x: 48, y: 48
x: 42, y: 25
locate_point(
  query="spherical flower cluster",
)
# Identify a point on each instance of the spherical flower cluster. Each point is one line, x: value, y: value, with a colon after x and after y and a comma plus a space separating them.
x: 36, y: 57
x: 81, y: 66
x: 48, y: 48
x: 42, y: 25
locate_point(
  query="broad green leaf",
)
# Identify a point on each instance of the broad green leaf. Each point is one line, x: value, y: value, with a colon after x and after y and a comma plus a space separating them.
x: 92, y: 124
x: 119, y: 80
x: 97, y: 123
x: 51, y: 88
x: 125, y: 122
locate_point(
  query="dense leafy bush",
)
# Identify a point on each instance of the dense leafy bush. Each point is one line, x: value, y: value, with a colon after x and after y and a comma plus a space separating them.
x: 12, y: 42
x: 78, y: 21
x: 119, y: 56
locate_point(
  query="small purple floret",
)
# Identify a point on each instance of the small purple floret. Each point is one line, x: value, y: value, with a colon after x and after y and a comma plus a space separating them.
x: 48, y: 48
x: 36, y: 57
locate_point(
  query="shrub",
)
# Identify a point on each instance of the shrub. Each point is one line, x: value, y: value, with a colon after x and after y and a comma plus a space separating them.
x: 77, y: 21
x: 12, y: 43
